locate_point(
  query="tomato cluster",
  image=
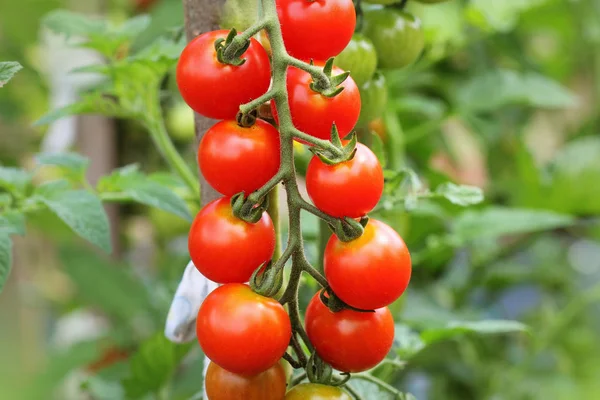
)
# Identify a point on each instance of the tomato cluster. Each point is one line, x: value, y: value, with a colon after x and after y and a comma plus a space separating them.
x: 244, y: 333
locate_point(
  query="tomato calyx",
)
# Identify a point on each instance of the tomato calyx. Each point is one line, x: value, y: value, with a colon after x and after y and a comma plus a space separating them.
x: 349, y: 229
x: 345, y: 152
x: 230, y: 50
x: 330, y: 87
x: 318, y: 371
x: 267, y: 280
x: 246, y: 210
x: 247, y: 120
x: 335, y: 304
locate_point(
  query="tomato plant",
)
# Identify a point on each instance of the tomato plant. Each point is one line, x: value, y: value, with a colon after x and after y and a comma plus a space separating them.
x: 226, y: 249
x: 360, y: 58
x: 235, y: 158
x: 217, y: 89
x: 369, y: 272
x: 314, y: 391
x: 348, y: 189
x: 305, y: 24
x: 348, y: 340
x: 223, y: 385
x: 242, y: 331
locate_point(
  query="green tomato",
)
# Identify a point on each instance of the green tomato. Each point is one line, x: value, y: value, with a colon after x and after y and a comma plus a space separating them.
x: 397, y: 36
x: 359, y: 57
x: 180, y: 122
x: 373, y: 97
x: 315, y: 391
x: 238, y: 14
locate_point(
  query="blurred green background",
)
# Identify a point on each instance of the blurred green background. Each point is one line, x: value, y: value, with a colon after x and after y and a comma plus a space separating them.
x: 505, y: 98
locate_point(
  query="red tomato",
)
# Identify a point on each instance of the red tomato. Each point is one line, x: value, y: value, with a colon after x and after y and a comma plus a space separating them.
x: 217, y: 90
x: 316, y: 29
x: 348, y: 189
x: 314, y: 113
x: 226, y: 249
x: 242, y: 331
x: 350, y: 341
x: 369, y: 272
x: 235, y: 159
x: 221, y: 384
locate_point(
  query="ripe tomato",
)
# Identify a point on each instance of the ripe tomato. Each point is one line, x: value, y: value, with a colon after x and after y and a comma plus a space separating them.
x: 374, y: 97
x: 397, y: 36
x: 360, y: 58
x: 217, y: 90
x: 348, y: 189
x: 314, y: 113
x: 221, y: 384
x: 226, y: 249
x: 235, y: 159
x: 369, y: 272
x: 242, y: 331
x: 315, y: 391
x: 316, y: 29
x: 350, y: 341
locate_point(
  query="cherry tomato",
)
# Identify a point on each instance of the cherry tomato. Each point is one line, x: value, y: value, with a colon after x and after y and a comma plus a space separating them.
x: 431, y: 1
x: 315, y: 391
x: 348, y: 189
x: 374, y: 98
x: 226, y: 249
x: 316, y: 29
x: 397, y: 36
x: 221, y: 384
x: 242, y: 331
x: 369, y: 272
x: 314, y: 113
x: 235, y: 159
x: 217, y: 90
x: 360, y: 58
x: 350, y: 341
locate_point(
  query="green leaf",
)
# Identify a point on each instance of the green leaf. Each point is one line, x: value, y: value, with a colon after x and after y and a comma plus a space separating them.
x: 378, y: 148
x: 462, y: 195
x: 15, y: 180
x: 5, y: 258
x: 153, y: 365
x: 12, y: 222
x: 494, y: 222
x: 485, y: 327
x: 495, y: 89
x: 74, y: 24
x: 72, y: 162
x: 100, y: 389
x: 81, y: 210
x: 140, y: 188
x: 8, y: 69
x: 92, y: 103
x: 407, y: 342
x: 499, y: 15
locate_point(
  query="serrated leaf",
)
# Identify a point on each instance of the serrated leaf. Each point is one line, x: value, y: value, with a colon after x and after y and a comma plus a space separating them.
x: 494, y: 222
x: 12, y: 222
x: 5, y: 258
x: 72, y: 162
x: 8, y: 69
x: 152, y: 366
x: 82, y: 211
x: 485, y: 327
x: 512, y: 88
x: 462, y: 195
x: 15, y: 180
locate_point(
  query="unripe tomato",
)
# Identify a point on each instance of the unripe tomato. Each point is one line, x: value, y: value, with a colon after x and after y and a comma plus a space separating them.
x: 374, y: 98
x: 316, y: 29
x: 369, y: 272
x: 314, y: 113
x: 221, y: 384
x: 359, y: 57
x: 315, y: 391
x: 242, y: 331
x: 236, y: 159
x: 398, y: 36
x: 180, y: 122
x: 348, y: 189
x: 226, y: 249
x: 217, y: 90
x: 349, y: 341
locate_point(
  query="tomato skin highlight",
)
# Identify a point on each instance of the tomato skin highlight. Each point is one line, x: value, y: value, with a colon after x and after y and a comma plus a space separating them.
x: 241, y: 331
x: 221, y: 384
x: 369, y: 272
x: 226, y: 249
x: 236, y: 159
x: 217, y: 90
x: 350, y: 341
x: 316, y: 29
x: 315, y: 391
x: 314, y: 113
x: 349, y: 189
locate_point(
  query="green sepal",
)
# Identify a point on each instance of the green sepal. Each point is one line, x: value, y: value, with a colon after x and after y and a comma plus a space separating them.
x: 267, y: 280
x: 233, y: 56
x: 246, y: 210
x: 331, y: 88
x: 318, y: 371
x: 346, y: 152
